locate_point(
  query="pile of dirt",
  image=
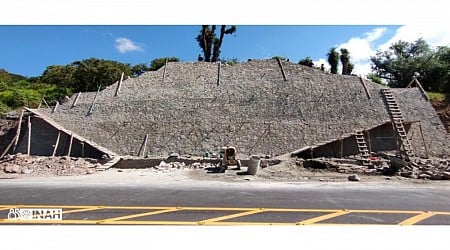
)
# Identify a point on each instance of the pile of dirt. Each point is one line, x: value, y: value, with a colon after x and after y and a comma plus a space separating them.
x: 443, y: 110
x: 13, y: 166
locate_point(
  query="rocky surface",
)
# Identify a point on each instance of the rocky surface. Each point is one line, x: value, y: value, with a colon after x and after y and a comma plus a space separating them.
x: 19, y: 165
x: 432, y: 169
x: 288, y: 170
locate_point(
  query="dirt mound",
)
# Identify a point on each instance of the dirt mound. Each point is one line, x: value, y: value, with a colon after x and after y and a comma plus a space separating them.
x: 13, y: 166
x: 443, y: 110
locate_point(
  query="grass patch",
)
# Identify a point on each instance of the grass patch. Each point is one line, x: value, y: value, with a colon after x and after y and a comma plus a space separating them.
x: 436, y: 96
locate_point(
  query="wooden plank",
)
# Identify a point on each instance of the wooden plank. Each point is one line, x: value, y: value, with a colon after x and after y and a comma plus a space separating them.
x: 76, y: 99
x: 55, y: 107
x: 218, y: 74
x: 365, y: 87
x: 29, y: 136
x: 57, y: 143
x: 119, y: 85
x: 19, y: 127
x: 70, y: 145
x: 91, y: 108
x: 143, y: 146
x: 45, y: 102
x: 164, y: 73
x: 282, y: 70
x: 423, y: 140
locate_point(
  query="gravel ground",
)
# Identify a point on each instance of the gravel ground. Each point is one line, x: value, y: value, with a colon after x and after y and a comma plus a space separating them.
x: 22, y: 167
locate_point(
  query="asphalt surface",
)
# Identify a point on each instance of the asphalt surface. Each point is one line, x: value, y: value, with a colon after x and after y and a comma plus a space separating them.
x: 378, y: 199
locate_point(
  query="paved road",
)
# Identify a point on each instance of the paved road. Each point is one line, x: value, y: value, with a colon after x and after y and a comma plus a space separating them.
x: 308, y: 203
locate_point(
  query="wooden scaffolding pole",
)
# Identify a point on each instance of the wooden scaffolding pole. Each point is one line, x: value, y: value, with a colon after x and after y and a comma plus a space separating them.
x: 76, y: 99
x: 165, y: 66
x: 119, y: 85
x: 70, y: 145
x: 423, y: 140
x: 57, y: 143
x: 29, y: 136
x: 19, y: 127
x: 143, y: 146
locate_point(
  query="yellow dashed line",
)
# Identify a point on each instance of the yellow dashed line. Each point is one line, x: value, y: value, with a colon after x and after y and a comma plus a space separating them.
x: 418, y: 215
x: 6, y: 208
x: 82, y: 210
x: 323, y: 217
x: 138, y: 215
x: 413, y: 220
x: 226, y: 217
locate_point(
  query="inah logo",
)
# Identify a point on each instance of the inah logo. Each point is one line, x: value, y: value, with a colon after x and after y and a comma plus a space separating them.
x: 35, y: 214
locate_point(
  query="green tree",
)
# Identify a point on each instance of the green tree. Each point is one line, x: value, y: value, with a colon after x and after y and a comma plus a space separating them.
x: 61, y: 75
x: 159, y: 62
x: 210, y: 43
x: 347, y: 67
x: 402, y: 60
x: 307, y: 61
x: 374, y: 78
x: 92, y: 73
x: 333, y: 60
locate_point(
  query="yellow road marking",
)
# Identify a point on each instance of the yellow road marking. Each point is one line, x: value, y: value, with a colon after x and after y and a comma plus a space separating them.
x: 82, y: 210
x: 413, y: 220
x: 254, y: 211
x: 323, y: 217
x: 5, y: 208
x: 138, y: 215
x: 418, y: 215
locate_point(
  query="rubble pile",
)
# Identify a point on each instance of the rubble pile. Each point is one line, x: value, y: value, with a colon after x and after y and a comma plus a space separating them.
x: 430, y: 169
x: 20, y: 164
x: 181, y: 165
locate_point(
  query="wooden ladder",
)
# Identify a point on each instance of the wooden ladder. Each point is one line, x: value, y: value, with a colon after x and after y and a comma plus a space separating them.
x: 397, y: 120
x: 362, y: 147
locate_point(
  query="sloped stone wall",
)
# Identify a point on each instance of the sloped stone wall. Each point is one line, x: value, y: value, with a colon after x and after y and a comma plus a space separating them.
x: 252, y: 108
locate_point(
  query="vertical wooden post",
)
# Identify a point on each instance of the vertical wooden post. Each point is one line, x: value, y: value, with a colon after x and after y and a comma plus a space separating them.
x: 423, y: 140
x: 19, y: 127
x: 282, y: 70
x: 368, y: 141
x: 29, y: 136
x: 165, y: 66
x: 342, y: 147
x: 45, y: 102
x: 119, y: 84
x: 93, y: 102
x: 70, y: 145
x: 57, y: 143
x: 76, y: 99
x: 55, y: 107
x: 143, y: 147
x: 218, y: 74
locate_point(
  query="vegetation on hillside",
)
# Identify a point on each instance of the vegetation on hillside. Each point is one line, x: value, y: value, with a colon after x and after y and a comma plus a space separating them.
x: 402, y: 60
x: 58, y: 81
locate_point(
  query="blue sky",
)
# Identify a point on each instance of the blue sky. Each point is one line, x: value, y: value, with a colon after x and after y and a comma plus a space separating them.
x: 30, y: 49
x: 37, y: 34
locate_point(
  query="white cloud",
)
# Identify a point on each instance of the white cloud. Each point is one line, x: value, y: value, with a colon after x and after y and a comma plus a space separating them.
x: 374, y: 34
x: 362, y: 48
x: 434, y: 35
x: 124, y: 45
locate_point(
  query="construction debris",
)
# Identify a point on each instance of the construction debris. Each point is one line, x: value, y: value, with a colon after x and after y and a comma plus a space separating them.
x: 432, y: 169
x: 21, y: 164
